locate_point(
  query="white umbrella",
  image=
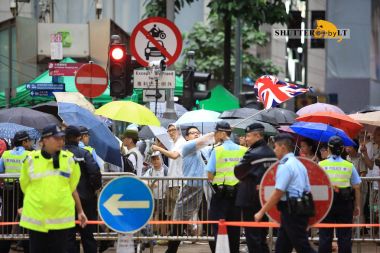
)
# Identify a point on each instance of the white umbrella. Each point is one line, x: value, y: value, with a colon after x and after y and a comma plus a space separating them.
x: 74, y: 98
x: 205, y: 120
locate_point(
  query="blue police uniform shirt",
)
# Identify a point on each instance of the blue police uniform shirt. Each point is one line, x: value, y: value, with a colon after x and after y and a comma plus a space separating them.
x: 94, y: 155
x: 16, y: 151
x: 292, y: 177
x: 227, y: 145
x: 355, y: 178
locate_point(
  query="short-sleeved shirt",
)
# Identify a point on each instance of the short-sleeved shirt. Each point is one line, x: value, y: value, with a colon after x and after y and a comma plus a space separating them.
x: 292, y: 177
x: 355, y: 178
x: 227, y: 145
x: 176, y: 165
x: 193, y: 164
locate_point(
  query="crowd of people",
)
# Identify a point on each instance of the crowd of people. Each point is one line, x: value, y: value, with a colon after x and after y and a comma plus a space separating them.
x: 60, y: 179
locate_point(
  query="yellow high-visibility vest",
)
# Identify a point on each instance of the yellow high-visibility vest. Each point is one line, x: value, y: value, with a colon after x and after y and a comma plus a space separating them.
x: 89, y: 149
x: 48, y: 202
x: 225, y: 164
x: 339, y: 172
x: 13, y: 162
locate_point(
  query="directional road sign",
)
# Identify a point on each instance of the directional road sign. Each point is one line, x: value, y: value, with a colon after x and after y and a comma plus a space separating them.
x: 63, y: 69
x: 150, y: 96
x: 154, y: 39
x: 91, y: 80
x: 126, y: 204
x: 142, y: 79
x: 41, y: 93
x: 320, y: 188
x: 45, y: 86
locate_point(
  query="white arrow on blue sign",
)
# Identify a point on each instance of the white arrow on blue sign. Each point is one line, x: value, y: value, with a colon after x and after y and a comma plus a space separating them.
x: 126, y: 204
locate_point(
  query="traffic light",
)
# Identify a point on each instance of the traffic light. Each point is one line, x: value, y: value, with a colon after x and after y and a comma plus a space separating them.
x: 194, y: 88
x: 120, y: 71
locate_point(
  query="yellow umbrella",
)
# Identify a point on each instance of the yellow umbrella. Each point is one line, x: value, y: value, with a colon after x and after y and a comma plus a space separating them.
x: 129, y: 112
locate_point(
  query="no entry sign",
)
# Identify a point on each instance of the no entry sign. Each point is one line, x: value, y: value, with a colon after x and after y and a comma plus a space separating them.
x: 91, y: 80
x: 154, y: 39
x: 320, y: 188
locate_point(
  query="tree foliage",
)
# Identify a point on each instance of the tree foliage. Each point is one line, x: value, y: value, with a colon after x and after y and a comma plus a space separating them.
x: 207, y: 42
x: 157, y: 8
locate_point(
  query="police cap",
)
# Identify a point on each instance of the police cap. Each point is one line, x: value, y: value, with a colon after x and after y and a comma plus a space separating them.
x: 254, y: 127
x: 21, y: 136
x: 336, y: 145
x: 83, y: 130
x: 72, y: 131
x: 223, y: 126
x: 52, y: 130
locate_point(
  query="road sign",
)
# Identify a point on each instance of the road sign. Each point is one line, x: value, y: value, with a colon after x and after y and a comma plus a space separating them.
x: 142, y: 80
x: 63, y: 69
x: 126, y: 204
x: 91, y: 80
x: 320, y: 188
x: 45, y: 86
x: 41, y: 93
x: 150, y: 96
x: 56, y: 49
x: 154, y: 39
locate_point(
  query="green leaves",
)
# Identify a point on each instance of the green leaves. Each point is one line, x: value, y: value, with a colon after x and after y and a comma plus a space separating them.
x: 157, y: 8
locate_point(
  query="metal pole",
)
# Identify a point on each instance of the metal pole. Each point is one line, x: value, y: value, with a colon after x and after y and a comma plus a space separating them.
x: 156, y: 98
x: 238, y: 57
x: 8, y: 92
x: 170, y: 112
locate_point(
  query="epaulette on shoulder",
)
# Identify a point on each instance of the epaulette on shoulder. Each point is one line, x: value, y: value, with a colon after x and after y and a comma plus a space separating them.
x: 284, y: 160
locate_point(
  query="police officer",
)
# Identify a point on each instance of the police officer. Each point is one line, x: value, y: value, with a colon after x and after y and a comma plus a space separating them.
x: 11, y: 162
x: 291, y: 182
x: 84, y: 143
x: 220, y: 170
x: 90, y: 181
x: 346, y: 182
x: 48, y: 179
x: 258, y: 158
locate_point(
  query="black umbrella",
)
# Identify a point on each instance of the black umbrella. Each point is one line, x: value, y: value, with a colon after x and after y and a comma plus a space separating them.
x: 27, y: 117
x: 282, y: 116
x: 243, y: 113
x: 49, y: 107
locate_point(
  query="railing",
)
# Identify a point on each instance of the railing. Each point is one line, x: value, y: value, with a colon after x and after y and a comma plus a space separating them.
x: 192, y: 204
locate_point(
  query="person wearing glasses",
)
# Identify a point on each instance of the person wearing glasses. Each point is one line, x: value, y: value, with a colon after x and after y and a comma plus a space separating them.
x: 175, y: 166
x: 220, y: 170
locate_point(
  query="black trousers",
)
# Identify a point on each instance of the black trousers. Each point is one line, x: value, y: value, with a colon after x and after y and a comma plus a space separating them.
x: 292, y: 233
x: 341, y: 212
x: 223, y: 207
x: 256, y: 237
x: 55, y: 241
x: 87, y: 233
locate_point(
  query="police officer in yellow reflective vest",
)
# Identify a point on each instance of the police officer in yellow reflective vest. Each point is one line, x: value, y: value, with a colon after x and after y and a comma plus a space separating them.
x: 11, y: 162
x: 346, y: 182
x: 49, y: 178
x: 84, y: 141
x: 220, y: 170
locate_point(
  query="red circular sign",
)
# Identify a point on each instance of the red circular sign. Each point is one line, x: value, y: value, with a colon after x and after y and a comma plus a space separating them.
x: 91, y: 80
x: 155, y: 39
x: 320, y: 187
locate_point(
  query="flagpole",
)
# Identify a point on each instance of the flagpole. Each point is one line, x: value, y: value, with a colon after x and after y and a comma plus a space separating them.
x: 253, y: 115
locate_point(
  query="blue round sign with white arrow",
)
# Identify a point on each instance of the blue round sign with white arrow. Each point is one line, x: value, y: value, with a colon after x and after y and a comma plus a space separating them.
x: 126, y: 204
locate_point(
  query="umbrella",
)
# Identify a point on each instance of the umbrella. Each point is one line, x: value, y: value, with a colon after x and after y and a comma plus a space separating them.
x: 320, y: 132
x: 27, y: 117
x: 242, y: 113
x: 319, y: 107
x: 149, y: 132
x: 49, y: 107
x: 74, y: 98
x: 341, y: 121
x: 161, y: 108
x: 165, y: 122
x: 281, y: 116
x: 8, y: 131
x: 285, y: 129
x: 370, y: 108
x: 240, y: 128
x: 129, y: 112
x: 205, y: 120
x: 369, y: 118
x: 102, y: 139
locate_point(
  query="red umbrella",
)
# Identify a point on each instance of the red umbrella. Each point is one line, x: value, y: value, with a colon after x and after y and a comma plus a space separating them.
x: 344, y: 122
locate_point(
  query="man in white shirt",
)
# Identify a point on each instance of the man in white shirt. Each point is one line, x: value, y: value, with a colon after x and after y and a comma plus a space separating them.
x: 129, y: 139
x: 371, y: 155
x: 175, y: 165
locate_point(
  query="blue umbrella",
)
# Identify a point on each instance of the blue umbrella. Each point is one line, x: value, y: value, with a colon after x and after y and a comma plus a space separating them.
x: 102, y: 139
x: 320, y: 132
x: 8, y: 130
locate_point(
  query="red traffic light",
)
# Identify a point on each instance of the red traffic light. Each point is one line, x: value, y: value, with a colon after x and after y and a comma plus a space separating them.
x: 117, y: 53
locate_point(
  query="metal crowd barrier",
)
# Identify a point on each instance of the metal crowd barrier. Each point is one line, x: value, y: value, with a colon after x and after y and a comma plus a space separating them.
x: 11, y: 197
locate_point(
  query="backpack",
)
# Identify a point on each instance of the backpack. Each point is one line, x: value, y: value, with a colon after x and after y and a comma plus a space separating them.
x: 127, y: 164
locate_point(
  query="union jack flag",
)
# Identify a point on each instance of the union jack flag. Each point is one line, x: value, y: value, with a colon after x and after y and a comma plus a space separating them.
x: 271, y: 91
